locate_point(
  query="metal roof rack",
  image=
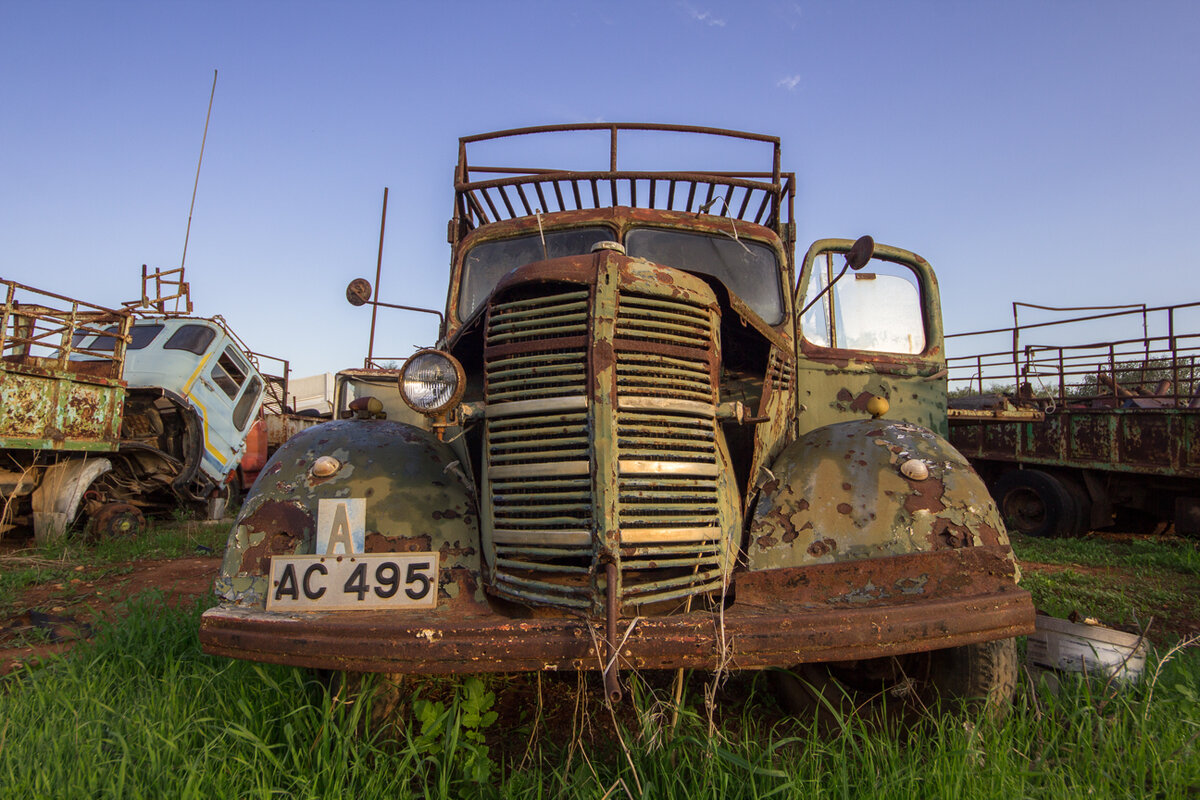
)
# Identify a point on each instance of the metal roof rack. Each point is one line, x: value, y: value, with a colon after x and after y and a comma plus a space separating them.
x: 757, y: 197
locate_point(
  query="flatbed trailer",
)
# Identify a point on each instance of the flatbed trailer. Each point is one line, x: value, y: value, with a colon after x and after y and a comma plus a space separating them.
x: 1073, y: 431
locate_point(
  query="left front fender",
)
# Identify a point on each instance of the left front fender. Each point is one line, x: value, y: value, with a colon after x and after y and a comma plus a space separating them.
x: 417, y: 495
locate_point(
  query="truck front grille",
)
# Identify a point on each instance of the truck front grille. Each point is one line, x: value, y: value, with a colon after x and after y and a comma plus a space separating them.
x: 542, y: 483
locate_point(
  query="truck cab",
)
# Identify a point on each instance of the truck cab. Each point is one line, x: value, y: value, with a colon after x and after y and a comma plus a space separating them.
x: 110, y: 414
x: 649, y: 444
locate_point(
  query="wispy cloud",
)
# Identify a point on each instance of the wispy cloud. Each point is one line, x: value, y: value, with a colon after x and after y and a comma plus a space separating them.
x: 703, y: 16
x: 790, y: 82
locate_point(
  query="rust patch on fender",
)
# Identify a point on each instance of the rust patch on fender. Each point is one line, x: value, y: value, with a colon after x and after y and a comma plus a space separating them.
x: 860, y: 402
x: 947, y: 534
x: 461, y: 577
x: 378, y: 543
x: 926, y: 496
x: 988, y: 536
x: 455, y: 550
x: 257, y: 559
x: 822, y: 547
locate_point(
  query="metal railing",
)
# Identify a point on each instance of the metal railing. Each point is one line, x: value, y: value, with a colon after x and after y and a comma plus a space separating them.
x: 1055, y: 363
x: 47, y: 330
x: 761, y: 197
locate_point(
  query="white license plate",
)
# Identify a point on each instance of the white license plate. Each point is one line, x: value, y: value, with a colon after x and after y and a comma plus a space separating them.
x: 353, y: 583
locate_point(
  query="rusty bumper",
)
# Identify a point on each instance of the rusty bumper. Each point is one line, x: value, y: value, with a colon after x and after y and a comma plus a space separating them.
x: 781, y: 617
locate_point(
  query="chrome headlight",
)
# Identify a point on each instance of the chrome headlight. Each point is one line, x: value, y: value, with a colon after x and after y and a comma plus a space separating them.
x: 432, y: 382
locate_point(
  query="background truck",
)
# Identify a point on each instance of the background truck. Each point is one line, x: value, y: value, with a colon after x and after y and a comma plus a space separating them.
x: 1084, y: 419
x: 648, y: 446
x: 108, y: 414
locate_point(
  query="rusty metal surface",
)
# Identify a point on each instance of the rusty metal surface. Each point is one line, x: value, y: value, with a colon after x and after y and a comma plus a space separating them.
x: 781, y: 617
x: 844, y: 492
x: 1154, y: 441
x: 1125, y: 404
x: 594, y: 472
x: 756, y: 196
x: 418, y: 499
x: 54, y: 393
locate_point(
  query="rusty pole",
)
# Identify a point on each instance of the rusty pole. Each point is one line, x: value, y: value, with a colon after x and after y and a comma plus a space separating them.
x: 612, y: 687
x: 378, y: 270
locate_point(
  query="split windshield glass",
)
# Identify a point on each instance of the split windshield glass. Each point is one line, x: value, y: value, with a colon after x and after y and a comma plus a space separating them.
x: 748, y: 269
x: 487, y: 263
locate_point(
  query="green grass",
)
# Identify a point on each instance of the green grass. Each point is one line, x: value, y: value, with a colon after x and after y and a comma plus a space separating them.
x: 1174, y: 555
x: 1123, y: 583
x: 76, y: 558
x: 141, y: 712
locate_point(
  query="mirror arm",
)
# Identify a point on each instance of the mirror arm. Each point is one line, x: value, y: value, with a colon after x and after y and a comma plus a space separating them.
x: 822, y: 293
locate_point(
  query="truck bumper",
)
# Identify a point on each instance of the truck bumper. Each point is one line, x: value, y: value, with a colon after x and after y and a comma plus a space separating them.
x: 780, y: 617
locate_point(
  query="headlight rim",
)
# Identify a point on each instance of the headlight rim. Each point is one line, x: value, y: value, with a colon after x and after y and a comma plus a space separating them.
x: 455, y: 396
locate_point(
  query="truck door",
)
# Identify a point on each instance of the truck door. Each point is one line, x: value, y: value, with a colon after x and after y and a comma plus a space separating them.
x: 227, y: 392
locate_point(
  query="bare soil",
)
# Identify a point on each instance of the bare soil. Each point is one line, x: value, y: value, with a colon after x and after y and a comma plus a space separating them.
x: 51, y: 617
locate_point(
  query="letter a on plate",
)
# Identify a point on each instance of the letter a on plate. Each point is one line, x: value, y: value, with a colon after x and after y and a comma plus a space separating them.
x: 341, y: 526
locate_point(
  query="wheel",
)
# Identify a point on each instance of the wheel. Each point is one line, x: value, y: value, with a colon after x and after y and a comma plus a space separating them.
x: 1082, y: 501
x: 1036, y: 503
x: 981, y: 677
x: 117, y: 520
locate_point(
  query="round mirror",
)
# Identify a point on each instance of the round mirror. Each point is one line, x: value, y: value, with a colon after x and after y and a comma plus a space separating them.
x: 860, y: 253
x: 358, y: 292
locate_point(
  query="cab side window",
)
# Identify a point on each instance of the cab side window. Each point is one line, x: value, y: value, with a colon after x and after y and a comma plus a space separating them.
x: 193, y: 338
x: 230, y: 372
x: 245, y: 403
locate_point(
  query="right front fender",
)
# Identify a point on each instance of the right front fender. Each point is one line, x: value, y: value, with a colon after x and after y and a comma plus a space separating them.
x: 841, y: 493
x: 418, y: 499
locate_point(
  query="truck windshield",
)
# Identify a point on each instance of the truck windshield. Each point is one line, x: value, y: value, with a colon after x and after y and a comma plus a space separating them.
x: 748, y: 269
x: 487, y: 263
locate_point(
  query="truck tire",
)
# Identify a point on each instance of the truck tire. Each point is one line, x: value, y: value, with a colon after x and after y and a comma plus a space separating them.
x: 975, y: 678
x: 1036, y: 503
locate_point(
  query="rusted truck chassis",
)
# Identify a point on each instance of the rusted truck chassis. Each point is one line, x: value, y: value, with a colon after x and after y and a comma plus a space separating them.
x: 1090, y: 431
x: 638, y: 456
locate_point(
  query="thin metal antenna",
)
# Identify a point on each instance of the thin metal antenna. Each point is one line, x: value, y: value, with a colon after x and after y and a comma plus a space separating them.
x: 200, y: 161
x: 378, y: 270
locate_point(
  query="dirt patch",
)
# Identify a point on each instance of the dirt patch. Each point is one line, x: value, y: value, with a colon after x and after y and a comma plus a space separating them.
x: 50, y: 617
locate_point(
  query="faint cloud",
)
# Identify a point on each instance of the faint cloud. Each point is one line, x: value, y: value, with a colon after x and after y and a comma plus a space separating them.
x: 790, y: 82
x: 703, y: 16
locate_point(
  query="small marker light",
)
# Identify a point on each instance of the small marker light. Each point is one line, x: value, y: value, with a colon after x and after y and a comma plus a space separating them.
x: 325, y: 466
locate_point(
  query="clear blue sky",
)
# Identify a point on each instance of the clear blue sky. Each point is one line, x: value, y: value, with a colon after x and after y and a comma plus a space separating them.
x: 1047, y: 152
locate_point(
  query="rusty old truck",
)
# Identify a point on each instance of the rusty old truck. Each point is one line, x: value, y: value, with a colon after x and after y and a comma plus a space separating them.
x: 648, y: 446
x: 1084, y: 418
x: 108, y: 414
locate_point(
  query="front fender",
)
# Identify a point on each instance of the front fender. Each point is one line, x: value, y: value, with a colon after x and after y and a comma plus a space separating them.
x: 418, y: 499
x: 841, y: 493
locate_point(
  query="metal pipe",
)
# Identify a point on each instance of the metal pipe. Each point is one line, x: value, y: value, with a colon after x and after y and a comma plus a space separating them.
x: 612, y: 689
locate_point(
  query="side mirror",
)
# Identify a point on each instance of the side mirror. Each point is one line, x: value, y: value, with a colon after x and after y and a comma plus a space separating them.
x: 358, y: 291
x: 858, y: 257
